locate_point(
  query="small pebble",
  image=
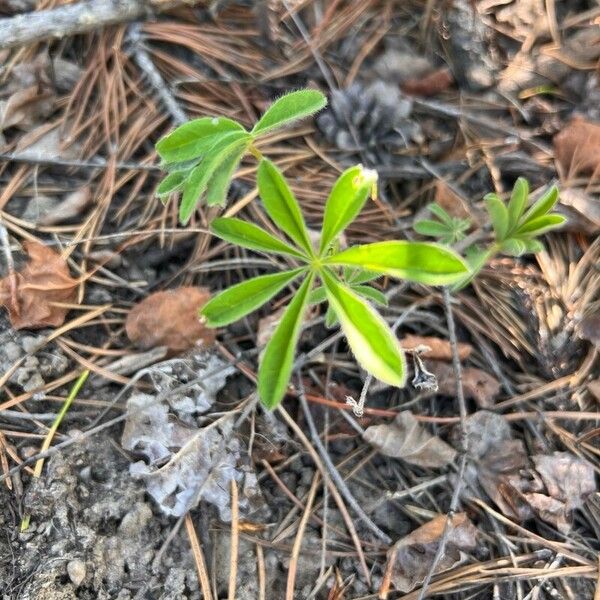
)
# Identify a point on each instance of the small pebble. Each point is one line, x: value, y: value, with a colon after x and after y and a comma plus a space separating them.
x: 76, y: 571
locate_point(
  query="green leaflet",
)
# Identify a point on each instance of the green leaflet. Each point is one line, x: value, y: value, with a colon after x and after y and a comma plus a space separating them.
x: 518, y: 201
x: 541, y: 225
x: 542, y: 206
x: 281, y: 205
x: 219, y: 183
x: 197, y: 182
x: 171, y: 183
x: 288, y: 108
x: 251, y: 236
x: 373, y: 344
x: 239, y: 300
x: 432, y: 228
x: 422, y: 262
x: 371, y: 293
x: 277, y: 361
x: 345, y: 201
x: 195, y: 138
x: 498, y: 215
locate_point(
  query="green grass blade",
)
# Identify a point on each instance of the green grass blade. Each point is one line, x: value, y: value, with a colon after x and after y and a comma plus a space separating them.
x: 289, y: 108
x: 281, y: 205
x: 345, y: 201
x: 251, y: 236
x: 241, y: 299
x: 277, y: 361
x: 423, y: 262
x: 374, y: 345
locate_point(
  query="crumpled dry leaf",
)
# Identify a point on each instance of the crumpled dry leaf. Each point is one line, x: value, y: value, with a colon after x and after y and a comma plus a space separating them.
x: 29, y: 295
x: 170, y: 319
x: 187, y: 464
x: 405, y: 438
x: 478, y: 385
x: 559, y: 483
x: 577, y: 147
x: 412, y: 557
x: 439, y: 349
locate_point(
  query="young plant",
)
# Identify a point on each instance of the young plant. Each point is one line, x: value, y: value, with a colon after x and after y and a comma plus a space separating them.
x: 202, y: 155
x: 342, y: 275
x: 516, y: 229
x: 447, y: 229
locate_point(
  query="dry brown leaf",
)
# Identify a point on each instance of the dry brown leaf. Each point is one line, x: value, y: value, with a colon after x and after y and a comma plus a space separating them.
x: 405, y: 438
x: 414, y: 554
x: 439, y: 349
x: 478, y: 385
x: 577, y: 147
x: 30, y: 296
x: 432, y: 84
x: 581, y: 209
x: 170, y: 319
x: 71, y: 206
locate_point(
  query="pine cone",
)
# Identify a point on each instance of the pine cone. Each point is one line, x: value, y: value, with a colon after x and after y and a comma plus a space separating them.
x: 371, y: 121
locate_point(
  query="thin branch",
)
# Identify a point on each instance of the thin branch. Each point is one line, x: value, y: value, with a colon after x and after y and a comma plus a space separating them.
x: 463, y: 448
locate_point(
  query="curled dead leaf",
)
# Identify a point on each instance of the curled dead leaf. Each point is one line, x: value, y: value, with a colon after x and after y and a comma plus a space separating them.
x: 411, y: 558
x: 582, y: 210
x: 432, y: 84
x: 170, y: 319
x: 439, y: 349
x: 31, y: 295
x: 405, y: 438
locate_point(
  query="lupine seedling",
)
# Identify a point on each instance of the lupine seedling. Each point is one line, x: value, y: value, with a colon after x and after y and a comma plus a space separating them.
x: 201, y: 158
x: 447, y: 229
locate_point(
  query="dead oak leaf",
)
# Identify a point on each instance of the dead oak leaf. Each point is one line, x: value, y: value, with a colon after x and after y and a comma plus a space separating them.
x: 411, y: 558
x: 31, y: 295
x: 407, y: 439
x: 170, y: 319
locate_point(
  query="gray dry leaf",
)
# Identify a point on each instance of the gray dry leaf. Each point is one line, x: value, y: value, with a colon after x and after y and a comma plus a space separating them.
x: 186, y: 464
x: 478, y: 385
x: 405, y: 438
x: 412, y: 557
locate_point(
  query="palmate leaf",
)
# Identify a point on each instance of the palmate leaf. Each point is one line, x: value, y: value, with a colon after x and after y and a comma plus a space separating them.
x: 195, y: 138
x: 372, y: 342
x: 281, y: 205
x: 422, y: 262
x: 277, y: 361
x: 248, y: 235
x: 345, y: 201
x: 288, y: 108
x: 239, y: 300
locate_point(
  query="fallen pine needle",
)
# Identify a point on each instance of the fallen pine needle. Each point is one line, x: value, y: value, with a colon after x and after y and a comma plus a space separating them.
x: 198, y: 558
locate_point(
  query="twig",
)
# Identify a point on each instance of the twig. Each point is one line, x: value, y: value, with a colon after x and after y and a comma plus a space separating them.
x: 463, y: 448
x: 198, y: 558
x: 291, y: 580
x: 337, y: 478
x: 95, y: 163
x: 76, y: 18
x: 144, y: 62
x: 235, y: 541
